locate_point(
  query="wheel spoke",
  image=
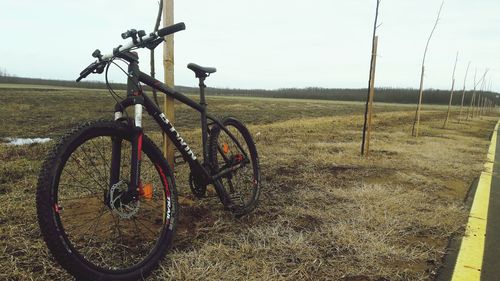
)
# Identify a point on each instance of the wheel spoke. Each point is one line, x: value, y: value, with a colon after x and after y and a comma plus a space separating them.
x: 111, y: 237
x: 91, y: 159
x: 87, y: 173
x: 229, y: 148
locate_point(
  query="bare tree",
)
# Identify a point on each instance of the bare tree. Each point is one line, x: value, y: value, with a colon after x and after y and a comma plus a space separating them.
x: 473, y: 95
x: 474, y: 98
x: 371, y: 83
x: 451, y: 93
x: 481, y: 97
x: 416, y: 122
x: 463, y: 93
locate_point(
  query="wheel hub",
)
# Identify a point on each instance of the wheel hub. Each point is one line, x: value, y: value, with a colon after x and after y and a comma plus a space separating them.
x: 115, y: 201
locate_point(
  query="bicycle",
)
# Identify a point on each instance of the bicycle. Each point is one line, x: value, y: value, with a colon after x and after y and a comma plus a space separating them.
x: 106, y: 197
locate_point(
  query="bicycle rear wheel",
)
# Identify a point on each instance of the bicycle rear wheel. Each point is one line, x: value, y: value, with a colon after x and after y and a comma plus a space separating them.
x: 241, y: 183
x: 84, y: 224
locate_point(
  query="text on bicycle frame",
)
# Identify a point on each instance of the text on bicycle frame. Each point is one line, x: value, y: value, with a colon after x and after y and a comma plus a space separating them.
x: 177, y: 136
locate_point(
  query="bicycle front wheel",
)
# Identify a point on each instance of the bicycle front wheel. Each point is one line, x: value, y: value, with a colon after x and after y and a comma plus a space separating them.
x: 88, y: 230
x: 234, y: 157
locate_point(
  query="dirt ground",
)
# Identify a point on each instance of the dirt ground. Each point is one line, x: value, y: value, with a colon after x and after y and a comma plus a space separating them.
x: 325, y: 213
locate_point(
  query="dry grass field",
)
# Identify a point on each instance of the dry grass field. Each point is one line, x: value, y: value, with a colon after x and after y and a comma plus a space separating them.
x: 325, y: 213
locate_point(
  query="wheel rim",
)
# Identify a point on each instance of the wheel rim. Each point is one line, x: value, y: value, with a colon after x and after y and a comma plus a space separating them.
x: 242, y: 184
x: 103, y: 235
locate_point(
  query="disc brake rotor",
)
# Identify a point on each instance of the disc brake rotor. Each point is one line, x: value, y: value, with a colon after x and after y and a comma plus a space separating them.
x: 125, y: 211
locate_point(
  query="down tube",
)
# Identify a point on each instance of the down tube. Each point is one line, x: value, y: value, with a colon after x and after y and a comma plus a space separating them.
x: 172, y: 133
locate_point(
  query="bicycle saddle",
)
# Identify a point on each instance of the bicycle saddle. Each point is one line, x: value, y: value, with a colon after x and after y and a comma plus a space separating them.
x: 200, y: 71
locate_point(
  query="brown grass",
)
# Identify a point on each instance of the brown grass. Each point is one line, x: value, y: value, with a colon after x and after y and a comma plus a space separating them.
x: 325, y: 213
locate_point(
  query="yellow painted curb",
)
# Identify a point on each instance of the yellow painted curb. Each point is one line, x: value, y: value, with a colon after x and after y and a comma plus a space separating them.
x: 470, y: 258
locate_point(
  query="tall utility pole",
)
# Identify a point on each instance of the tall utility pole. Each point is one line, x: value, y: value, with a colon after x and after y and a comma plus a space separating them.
x: 365, y: 145
x: 168, y: 65
x: 451, y: 93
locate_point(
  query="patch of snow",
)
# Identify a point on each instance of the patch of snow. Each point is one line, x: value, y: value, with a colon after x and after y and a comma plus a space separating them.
x: 24, y: 141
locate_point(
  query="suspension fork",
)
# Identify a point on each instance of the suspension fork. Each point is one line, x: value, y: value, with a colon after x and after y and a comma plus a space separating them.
x: 135, y: 165
x: 136, y: 156
x: 135, y: 98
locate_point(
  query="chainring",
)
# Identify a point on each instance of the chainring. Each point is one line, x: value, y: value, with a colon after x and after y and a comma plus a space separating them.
x: 198, y: 189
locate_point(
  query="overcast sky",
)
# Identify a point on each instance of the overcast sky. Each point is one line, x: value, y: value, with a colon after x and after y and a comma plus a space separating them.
x: 263, y: 43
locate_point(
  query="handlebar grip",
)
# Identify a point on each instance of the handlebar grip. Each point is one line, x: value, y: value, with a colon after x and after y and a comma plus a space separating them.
x: 171, y: 29
x: 93, y: 66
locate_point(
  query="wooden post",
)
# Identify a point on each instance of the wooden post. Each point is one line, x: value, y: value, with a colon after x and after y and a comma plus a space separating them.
x: 416, y: 122
x: 481, y: 98
x: 365, y: 142
x: 472, y: 97
x: 370, y: 96
x: 470, y: 111
x: 168, y: 65
x: 474, y: 102
x: 463, y: 94
x: 451, y: 93
x: 483, y: 106
x: 480, y: 95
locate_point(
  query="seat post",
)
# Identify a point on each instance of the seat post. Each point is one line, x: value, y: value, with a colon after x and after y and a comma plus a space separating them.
x: 204, y: 131
x: 202, y: 91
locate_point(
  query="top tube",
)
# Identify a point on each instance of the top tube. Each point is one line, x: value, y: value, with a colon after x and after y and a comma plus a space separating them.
x: 150, y: 81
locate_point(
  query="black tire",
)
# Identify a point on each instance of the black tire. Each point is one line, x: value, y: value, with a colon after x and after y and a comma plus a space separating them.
x: 241, y: 187
x: 90, y: 238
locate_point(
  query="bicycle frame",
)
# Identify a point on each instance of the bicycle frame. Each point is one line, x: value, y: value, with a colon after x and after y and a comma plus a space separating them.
x: 136, y: 98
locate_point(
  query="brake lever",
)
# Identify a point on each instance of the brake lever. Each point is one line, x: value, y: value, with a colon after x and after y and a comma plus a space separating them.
x: 153, y: 44
x: 100, y: 68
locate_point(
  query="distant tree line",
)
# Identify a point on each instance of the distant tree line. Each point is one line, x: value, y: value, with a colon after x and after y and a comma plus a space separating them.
x: 60, y: 83
x: 389, y: 95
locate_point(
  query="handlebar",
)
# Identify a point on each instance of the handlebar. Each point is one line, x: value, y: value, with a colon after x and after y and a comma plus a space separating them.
x: 149, y: 41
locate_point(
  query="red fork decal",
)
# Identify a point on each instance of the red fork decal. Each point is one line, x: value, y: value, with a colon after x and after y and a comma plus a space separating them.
x: 139, y: 147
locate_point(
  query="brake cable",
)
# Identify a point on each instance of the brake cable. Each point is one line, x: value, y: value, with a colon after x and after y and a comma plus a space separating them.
x: 115, y: 96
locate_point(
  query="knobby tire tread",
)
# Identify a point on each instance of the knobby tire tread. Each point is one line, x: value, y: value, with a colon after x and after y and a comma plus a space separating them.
x: 214, y: 134
x: 45, y: 211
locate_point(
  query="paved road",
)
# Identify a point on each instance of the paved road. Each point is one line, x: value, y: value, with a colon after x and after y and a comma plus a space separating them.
x: 476, y: 256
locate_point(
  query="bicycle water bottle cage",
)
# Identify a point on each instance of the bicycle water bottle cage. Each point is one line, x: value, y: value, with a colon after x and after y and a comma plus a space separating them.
x: 200, y: 71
